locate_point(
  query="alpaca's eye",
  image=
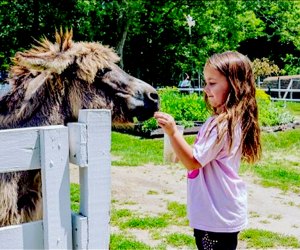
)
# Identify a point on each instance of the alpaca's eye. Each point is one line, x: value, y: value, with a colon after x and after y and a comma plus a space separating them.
x: 102, y: 72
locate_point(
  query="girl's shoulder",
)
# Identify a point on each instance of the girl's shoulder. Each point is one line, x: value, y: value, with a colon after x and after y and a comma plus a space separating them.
x: 213, y: 122
x: 210, y: 120
x: 207, y: 127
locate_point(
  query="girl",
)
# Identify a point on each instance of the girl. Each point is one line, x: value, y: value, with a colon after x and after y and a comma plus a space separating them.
x: 217, y: 197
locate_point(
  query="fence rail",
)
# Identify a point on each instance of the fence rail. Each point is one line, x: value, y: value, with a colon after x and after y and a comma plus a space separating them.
x: 87, y: 144
x: 275, y: 86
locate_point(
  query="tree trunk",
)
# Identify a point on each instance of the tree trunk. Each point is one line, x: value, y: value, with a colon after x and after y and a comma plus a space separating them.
x: 120, y: 47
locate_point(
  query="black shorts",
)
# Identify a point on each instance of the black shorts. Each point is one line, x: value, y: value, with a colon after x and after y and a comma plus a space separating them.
x: 215, y: 241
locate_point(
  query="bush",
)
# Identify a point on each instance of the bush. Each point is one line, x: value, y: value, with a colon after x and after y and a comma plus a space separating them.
x: 185, y: 108
x: 264, y: 67
x: 271, y: 113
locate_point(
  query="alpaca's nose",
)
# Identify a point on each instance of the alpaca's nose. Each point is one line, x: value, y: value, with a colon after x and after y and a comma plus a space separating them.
x: 154, y: 97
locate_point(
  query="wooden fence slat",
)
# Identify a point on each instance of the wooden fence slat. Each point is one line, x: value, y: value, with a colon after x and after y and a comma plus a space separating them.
x: 80, y: 231
x: 24, y: 143
x: 78, y: 143
x: 56, y: 184
x: 23, y: 236
x: 95, y: 179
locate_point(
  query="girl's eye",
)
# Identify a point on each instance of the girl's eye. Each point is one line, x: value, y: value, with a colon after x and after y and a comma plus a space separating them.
x: 210, y: 83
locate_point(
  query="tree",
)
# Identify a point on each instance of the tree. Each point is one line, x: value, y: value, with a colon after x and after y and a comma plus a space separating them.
x: 281, y: 34
x: 152, y: 37
x: 264, y: 67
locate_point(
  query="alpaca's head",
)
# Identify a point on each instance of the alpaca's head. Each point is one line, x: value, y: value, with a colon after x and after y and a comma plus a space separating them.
x: 83, y: 75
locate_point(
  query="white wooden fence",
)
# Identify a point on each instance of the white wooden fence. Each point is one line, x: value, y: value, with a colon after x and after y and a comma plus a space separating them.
x: 287, y: 88
x: 87, y: 144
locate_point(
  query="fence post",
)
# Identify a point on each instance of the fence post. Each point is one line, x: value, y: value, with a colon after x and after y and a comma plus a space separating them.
x: 54, y: 146
x: 95, y: 178
x: 258, y: 82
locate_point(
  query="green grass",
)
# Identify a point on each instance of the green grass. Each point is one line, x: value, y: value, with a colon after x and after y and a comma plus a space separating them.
x: 124, y: 242
x: 286, y: 141
x: 280, y: 164
x: 144, y: 223
x: 75, y: 197
x: 279, y: 174
x: 132, y: 150
x: 266, y: 239
x: 294, y: 108
x: 119, y: 215
x: 180, y: 240
x: 177, y: 209
x: 279, y: 167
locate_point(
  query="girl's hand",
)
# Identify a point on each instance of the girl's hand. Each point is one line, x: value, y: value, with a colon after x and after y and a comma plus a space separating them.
x: 166, y: 122
x: 182, y: 149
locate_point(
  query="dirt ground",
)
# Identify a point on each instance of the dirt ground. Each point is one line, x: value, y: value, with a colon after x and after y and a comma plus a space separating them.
x: 148, y: 189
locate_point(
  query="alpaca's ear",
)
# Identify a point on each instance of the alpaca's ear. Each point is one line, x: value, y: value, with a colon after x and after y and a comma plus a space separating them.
x: 49, y: 61
x: 53, y: 57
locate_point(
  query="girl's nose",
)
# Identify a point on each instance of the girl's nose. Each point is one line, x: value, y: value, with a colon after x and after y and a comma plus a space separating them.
x: 205, y: 89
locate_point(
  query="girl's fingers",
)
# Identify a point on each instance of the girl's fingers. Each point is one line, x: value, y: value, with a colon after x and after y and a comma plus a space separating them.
x: 163, y: 116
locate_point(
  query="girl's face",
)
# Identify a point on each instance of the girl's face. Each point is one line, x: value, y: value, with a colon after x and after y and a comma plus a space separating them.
x: 216, y: 89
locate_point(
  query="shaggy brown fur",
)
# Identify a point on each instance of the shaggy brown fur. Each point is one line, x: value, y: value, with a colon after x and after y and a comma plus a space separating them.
x: 49, y: 84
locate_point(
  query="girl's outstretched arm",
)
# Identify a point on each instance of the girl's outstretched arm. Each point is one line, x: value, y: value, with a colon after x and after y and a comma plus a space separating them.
x: 181, y: 148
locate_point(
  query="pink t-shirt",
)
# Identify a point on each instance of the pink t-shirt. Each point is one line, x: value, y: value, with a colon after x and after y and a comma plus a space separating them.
x: 217, y: 197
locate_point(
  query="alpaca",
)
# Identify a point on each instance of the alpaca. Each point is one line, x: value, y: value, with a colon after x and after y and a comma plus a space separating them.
x: 48, y: 85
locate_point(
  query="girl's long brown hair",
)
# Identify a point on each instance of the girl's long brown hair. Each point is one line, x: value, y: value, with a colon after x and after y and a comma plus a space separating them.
x: 240, y: 106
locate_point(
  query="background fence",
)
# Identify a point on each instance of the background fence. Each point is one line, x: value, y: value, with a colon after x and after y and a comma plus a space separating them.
x: 283, y: 88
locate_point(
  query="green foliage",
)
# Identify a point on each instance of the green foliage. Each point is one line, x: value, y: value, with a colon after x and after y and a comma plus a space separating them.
x: 264, y: 67
x: 262, y: 96
x: 75, y: 197
x: 140, y: 30
x: 149, y: 125
x: 271, y: 113
x: 185, y: 108
x: 291, y: 66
